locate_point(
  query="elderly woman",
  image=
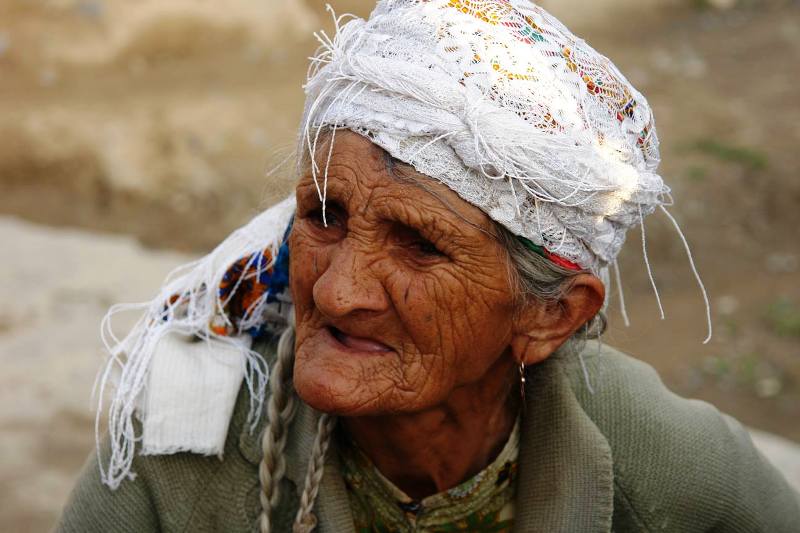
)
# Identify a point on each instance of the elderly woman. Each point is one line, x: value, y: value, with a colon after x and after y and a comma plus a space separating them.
x: 422, y: 309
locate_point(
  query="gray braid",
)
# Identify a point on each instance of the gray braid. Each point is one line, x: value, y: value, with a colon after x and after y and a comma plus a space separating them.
x: 305, y: 521
x: 280, y: 412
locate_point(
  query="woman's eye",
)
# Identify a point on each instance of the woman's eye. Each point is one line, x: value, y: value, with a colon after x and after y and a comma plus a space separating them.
x: 412, y: 242
x: 317, y: 216
x: 328, y: 218
x: 428, y: 248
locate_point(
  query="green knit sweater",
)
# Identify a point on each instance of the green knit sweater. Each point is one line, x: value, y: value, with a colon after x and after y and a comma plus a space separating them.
x: 631, y: 457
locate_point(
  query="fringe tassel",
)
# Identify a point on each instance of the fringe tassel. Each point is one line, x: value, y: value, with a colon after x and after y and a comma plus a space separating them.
x: 647, y: 263
x: 694, y: 271
x: 618, y: 282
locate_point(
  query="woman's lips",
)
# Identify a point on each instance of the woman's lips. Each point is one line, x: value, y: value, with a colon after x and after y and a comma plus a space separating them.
x: 359, y: 344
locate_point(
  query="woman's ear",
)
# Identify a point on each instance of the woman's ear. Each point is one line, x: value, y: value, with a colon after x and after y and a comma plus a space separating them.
x: 542, y: 327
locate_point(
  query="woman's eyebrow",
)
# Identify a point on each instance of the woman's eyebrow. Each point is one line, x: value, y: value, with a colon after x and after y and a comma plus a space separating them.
x: 307, y: 190
x: 445, y: 222
x: 429, y: 224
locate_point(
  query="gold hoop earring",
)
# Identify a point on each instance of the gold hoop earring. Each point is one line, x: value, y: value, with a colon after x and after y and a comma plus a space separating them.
x: 522, y: 383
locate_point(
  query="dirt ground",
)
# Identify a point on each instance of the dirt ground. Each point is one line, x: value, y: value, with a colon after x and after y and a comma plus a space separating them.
x: 161, y: 131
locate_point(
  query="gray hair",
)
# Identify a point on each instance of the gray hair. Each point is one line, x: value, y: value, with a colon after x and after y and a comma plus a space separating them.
x: 535, y: 278
x: 272, y: 469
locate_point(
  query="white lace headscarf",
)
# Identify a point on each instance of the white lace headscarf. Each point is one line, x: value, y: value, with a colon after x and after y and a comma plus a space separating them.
x: 503, y: 104
x: 500, y: 102
x: 494, y: 98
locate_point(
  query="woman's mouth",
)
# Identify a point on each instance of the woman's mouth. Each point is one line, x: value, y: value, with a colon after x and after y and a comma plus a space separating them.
x: 358, y: 344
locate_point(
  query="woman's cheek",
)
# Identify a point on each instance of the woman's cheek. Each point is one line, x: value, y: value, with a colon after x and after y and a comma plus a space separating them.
x: 307, y: 262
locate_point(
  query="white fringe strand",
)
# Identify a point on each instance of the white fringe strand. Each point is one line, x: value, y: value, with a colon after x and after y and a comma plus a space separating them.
x: 694, y: 271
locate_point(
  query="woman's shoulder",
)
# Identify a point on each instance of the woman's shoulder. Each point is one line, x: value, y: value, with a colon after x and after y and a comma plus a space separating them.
x: 649, y: 428
x: 619, y: 391
x: 176, y: 491
x: 675, y: 458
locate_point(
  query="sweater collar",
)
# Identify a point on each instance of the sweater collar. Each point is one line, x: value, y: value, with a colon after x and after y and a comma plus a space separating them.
x: 565, y: 479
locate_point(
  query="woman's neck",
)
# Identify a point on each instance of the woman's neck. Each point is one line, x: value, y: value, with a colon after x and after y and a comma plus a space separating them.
x: 434, y: 450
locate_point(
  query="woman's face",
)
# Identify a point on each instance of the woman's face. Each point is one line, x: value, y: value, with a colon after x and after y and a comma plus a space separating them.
x: 401, y: 298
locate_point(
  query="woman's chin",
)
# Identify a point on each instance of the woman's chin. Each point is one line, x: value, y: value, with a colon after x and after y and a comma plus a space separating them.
x: 332, y: 394
x: 342, y: 390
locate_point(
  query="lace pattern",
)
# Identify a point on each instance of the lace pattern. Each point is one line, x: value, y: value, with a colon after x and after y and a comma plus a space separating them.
x: 500, y: 102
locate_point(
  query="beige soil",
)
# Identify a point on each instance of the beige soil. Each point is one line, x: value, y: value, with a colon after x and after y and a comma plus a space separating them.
x: 160, y: 124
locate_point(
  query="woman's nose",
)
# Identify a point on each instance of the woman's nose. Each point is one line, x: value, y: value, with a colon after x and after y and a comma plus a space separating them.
x: 348, y: 285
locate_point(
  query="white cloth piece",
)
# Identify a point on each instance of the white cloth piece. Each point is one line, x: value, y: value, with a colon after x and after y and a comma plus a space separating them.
x: 190, y: 395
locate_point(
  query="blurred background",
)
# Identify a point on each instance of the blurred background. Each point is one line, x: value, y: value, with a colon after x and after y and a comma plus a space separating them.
x: 136, y: 135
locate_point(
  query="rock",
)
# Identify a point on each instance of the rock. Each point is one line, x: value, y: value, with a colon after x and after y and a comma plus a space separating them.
x: 782, y: 263
x: 782, y: 453
x: 722, y: 5
x: 727, y: 304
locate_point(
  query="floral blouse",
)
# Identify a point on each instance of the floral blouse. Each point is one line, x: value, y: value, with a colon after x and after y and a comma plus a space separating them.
x: 484, y: 503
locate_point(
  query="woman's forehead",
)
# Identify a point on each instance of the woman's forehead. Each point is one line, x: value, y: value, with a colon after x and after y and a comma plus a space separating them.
x: 357, y: 164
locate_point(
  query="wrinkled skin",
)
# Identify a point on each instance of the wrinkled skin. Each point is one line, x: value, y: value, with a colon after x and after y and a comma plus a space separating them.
x: 406, y: 325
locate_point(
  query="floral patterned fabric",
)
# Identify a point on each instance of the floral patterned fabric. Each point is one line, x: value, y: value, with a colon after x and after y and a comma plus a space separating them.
x: 248, y: 287
x: 483, y: 503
